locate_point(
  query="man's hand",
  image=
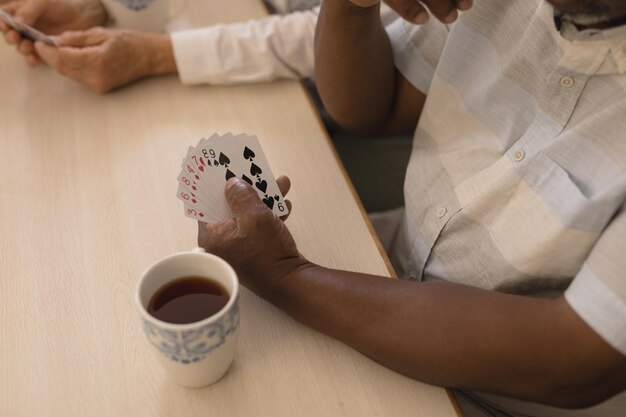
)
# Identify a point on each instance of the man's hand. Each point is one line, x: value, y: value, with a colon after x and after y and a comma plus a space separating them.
x: 51, y: 17
x: 104, y: 59
x: 417, y: 11
x: 255, y: 242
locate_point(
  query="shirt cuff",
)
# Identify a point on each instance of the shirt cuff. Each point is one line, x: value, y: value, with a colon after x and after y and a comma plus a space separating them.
x: 197, y: 56
x: 599, y: 307
x: 408, y: 59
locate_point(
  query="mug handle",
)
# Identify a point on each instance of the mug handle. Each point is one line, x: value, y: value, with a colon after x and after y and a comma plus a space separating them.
x: 198, y: 250
x: 172, y: 16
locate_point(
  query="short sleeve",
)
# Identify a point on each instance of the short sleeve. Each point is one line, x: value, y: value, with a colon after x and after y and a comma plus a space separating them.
x: 598, y: 293
x: 417, y: 49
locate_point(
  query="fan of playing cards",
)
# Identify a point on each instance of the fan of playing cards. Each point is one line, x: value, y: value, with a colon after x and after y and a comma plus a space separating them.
x: 208, y: 166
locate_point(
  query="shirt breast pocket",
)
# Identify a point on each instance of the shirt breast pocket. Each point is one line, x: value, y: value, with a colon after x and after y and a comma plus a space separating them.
x: 549, y: 226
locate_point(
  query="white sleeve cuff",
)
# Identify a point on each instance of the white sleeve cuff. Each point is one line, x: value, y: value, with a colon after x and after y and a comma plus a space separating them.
x: 196, y: 52
x: 408, y: 59
x: 599, y: 307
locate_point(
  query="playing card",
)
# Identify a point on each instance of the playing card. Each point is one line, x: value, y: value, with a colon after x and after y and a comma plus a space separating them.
x: 249, y: 163
x: 207, y: 167
x: 191, y: 199
x: 25, y: 30
x: 195, y: 214
x: 212, y: 164
x: 190, y: 178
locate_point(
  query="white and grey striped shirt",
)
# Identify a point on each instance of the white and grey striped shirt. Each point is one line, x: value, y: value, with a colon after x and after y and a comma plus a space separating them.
x: 517, y: 179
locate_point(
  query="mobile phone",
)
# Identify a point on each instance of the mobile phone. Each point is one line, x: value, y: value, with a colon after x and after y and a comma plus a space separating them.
x: 25, y: 30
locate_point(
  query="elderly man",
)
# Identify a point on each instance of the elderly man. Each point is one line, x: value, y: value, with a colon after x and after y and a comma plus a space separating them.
x: 513, y: 239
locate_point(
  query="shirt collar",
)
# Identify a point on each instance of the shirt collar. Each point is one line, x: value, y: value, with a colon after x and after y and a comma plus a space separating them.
x: 588, y: 43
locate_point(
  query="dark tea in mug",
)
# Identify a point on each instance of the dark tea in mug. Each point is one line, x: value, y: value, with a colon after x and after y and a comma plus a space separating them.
x: 188, y: 300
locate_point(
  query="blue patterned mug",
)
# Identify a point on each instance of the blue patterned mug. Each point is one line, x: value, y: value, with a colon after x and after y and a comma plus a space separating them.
x: 195, y: 354
x: 142, y: 15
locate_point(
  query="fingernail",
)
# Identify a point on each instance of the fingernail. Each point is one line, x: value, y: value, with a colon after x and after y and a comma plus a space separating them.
x: 451, y: 17
x: 421, y: 18
x: 232, y: 181
x: 465, y: 4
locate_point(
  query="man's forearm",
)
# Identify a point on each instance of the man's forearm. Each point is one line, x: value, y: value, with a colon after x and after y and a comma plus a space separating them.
x: 354, y: 65
x: 459, y: 336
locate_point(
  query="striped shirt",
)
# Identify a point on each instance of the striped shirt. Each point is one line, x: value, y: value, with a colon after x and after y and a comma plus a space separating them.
x: 517, y: 178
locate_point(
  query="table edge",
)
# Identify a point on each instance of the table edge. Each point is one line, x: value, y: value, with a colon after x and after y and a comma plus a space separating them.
x: 366, y: 219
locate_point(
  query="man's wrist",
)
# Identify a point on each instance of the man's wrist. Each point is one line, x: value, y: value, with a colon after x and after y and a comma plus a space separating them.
x: 92, y: 13
x: 160, y: 52
x: 283, y: 280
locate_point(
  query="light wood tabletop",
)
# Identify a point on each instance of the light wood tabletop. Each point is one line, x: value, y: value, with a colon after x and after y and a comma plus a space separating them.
x: 88, y: 202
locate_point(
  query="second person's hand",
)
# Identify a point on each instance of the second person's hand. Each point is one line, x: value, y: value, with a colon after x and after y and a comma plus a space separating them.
x: 104, y: 59
x: 51, y: 17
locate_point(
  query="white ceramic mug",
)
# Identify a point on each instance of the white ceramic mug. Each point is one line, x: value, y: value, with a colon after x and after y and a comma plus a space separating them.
x: 142, y: 15
x: 195, y: 354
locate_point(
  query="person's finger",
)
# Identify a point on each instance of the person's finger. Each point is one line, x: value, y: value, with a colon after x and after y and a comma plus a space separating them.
x: 12, y: 37
x: 444, y: 10
x: 284, y: 184
x: 241, y: 197
x: 65, y: 60
x: 26, y: 47
x: 32, y: 60
x: 48, y: 54
x: 10, y: 9
x: 410, y: 10
x: 464, y: 5
x: 80, y: 39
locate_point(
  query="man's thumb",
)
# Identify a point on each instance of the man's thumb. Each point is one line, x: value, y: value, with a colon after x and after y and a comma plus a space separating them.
x: 80, y: 39
x: 241, y: 197
x: 49, y: 54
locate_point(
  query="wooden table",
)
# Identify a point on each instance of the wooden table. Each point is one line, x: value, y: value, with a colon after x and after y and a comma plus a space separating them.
x: 88, y: 202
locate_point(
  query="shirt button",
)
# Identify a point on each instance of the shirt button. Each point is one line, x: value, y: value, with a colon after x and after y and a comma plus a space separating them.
x: 567, y: 82
x: 519, y: 155
x: 442, y: 211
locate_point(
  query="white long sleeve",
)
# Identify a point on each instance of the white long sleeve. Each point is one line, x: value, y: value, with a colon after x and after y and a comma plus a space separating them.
x: 277, y: 46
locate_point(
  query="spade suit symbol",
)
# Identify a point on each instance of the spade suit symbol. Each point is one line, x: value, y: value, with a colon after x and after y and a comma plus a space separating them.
x: 255, y: 170
x: 269, y: 202
x: 262, y: 185
x: 224, y: 160
x: 248, y: 154
x: 229, y: 174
